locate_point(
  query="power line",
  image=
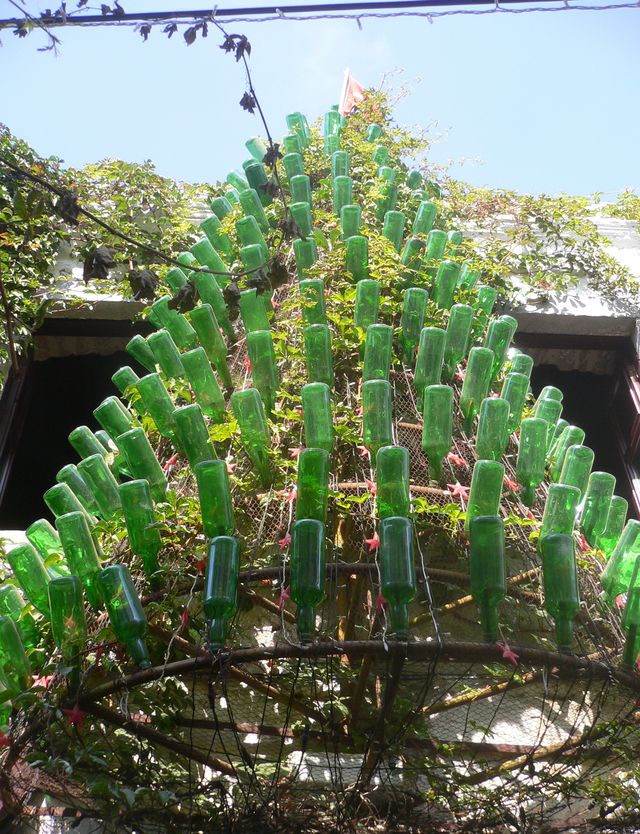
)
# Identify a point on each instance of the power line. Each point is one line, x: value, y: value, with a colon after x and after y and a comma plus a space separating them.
x: 313, y: 11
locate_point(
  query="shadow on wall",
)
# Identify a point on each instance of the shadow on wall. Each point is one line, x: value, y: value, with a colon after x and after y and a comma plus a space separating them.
x: 60, y: 394
x: 586, y: 403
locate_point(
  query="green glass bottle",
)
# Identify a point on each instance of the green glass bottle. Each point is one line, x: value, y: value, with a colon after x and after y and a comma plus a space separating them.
x: 313, y: 484
x: 125, y: 379
x: 436, y: 245
x: 561, y: 425
x: 14, y: 663
x: 214, y: 492
x: 220, y: 596
x: 296, y: 124
x: 477, y: 381
x: 220, y: 206
x: 571, y: 436
x: 70, y: 476
x: 158, y: 404
x: 550, y: 411
x: 374, y: 132
x: 331, y: 144
x: 235, y: 179
x: 425, y: 218
x: 438, y: 426
x: 487, y: 570
x: 257, y: 178
x: 446, y: 283
x: 386, y: 173
x: 193, y: 434
x: 457, y: 340
x: 377, y: 352
x: 167, y: 355
x: 142, y: 529
x: 312, y: 301
x: 350, y: 220
x: 188, y: 261
x: 498, y: 339
x: 114, y: 417
x: 597, y: 501
x: 31, y: 574
x: 618, y: 571
x: 380, y: 155
x: 492, y: 436
x: 174, y: 322
x: 318, y: 358
x: 414, y: 179
x: 631, y: 621
x: 357, y: 257
x: 264, y: 368
x: 68, y: 622
x: 393, y: 228
x: 46, y: 541
x: 301, y: 213
x: 252, y: 207
x: 12, y: 605
x: 291, y: 143
x: 102, y: 484
x: 176, y: 278
x: 428, y: 369
x: 487, y: 297
x: 549, y: 392
x: 578, y: 462
x: 211, y: 294
x: 522, y: 363
x: 256, y: 148
x: 306, y: 254
x: 142, y: 462
x: 293, y: 165
x: 531, y: 458
x: 392, y: 480
x: 342, y: 193
x: 560, y: 510
x: 141, y: 352
x: 300, y: 186
x: 561, y: 590
x: 377, y: 399
x: 249, y: 234
x: 412, y: 321
x: 468, y: 277
x: 206, y: 326
x: 514, y: 390
x: 219, y: 239
x: 367, y: 303
x: 339, y: 164
x: 81, y: 552
x: 126, y: 614
x: 616, y: 519
x: 307, y: 572
x: 412, y: 258
x: 61, y: 500
x: 397, y: 571
x: 318, y: 420
x: 486, y: 490
x: 204, y: 384
x: 254, y: 433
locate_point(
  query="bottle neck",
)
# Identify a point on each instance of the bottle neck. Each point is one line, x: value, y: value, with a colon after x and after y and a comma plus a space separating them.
x: 139, y: 653
x: 564, y: 635
x: 217, y: 632
x: 400, y: 620
x: 489, y: 620
x: 306, y: 623
x: 528, y: 496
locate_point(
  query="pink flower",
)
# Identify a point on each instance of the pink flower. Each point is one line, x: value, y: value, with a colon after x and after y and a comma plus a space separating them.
x: 75, y: 716
x: 373, y: 489
x: 231, y: 467
x: 170, y: 463
x: 380, y: 603
x: 295, y: 453
x: 512, y: 485
x: 247, y: 364
x: 363, y: 451
x: 291, y: 496
x: 285, y: 541
x: 373, y: 543
x: 184, y: 619
x: 284, y: 596
x: 507, y: 653
x: 458, y: 491
x: 456, y: 460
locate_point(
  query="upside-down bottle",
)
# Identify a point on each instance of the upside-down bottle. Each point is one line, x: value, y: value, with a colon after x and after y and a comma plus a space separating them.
x: 142, y: 462
x: 254, y: 433
x: 428, y: 370
x: 570, y: 436
x: 393, y: 228
x: 81, y: 552
x: 492, y: 436
x: 114, y: 417
x: 313, y: 484
x: 397, y: 571
x: 68, y: 623
x: 446, y: 283
x: 220, y: 598
x: 377, y: 398
x: 318, y: 420
x: 214, y: 492
x: 12, y: 605
x: 14, y: 663
x: 142, y: 529
x: 392, y: 481
x: 578, y: 462
x: 486, y: 490
x: 438, y: 426
x: 631, y: 620
x: 477, y: 380
x: 174, y: 322
x: 264, y: 368
x: 300, y: 186
x: 412, y: 321
x: 31, y: 574
x: 208, y: 330
x: 126, y: 614
x: 487, y: 570
x: 367, y: 302
x: 619, y: 569
x: 166, y: 353
x: 514, y: 390
x: 193, y: 434
x: 615, y: 525
x: 312, y: 301
x: 350, y: 220
x: 70, y: 476
x: 317, y: 350
x: 531, y: 456
x: 377, y: 352
x: 102, y: 484
x: 561, y: 591
x: 560, y: 510
x: 342, y: 193
x: 424, y: 219
x: 597, y: 501
x: 253, y: 311
x: 357, y: 257
x: 307, y: 572
x: 158, y: 404
x: 457, y: 340
x: 204, y: 384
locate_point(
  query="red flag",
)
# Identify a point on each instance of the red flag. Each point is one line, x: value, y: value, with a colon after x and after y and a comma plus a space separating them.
x: 352, y: 94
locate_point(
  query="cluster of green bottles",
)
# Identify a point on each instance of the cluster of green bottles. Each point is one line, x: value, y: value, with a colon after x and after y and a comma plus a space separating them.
x: 120, y: 477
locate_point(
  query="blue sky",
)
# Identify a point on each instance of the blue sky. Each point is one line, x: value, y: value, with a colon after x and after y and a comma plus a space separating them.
x: 539, y: 102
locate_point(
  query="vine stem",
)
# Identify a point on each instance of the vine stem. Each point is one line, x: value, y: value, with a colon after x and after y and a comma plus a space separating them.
x: 9, y: 324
